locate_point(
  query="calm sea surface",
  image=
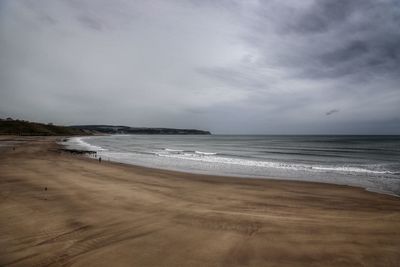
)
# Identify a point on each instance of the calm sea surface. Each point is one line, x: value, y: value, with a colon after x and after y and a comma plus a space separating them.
x: 372, y: 162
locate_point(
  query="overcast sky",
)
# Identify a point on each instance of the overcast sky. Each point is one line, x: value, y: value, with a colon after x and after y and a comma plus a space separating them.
x: 290, y: 67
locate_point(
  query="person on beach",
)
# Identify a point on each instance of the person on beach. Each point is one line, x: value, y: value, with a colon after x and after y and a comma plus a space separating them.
x: 100, y: 159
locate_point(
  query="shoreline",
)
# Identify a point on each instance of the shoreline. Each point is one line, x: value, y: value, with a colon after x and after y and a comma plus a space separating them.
x: 241, y: 177
x: 63, y: 209
x: 233, y: 176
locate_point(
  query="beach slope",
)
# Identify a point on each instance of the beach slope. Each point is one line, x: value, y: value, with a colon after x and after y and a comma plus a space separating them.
x: 59, y: 209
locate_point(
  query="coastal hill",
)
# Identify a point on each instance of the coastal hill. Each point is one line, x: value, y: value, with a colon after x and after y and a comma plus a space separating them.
x: 21, y: 127
x: 10, y: 126
x: 111, y: 129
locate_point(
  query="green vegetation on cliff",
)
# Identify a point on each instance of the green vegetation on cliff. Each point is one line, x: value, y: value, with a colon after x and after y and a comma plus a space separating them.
x: 19, y: 127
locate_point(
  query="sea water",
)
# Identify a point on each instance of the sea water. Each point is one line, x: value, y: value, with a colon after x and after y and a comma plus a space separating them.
x: 372, y: 162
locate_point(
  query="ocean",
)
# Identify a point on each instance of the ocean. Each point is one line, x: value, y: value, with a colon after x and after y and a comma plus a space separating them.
x: 371, y: 162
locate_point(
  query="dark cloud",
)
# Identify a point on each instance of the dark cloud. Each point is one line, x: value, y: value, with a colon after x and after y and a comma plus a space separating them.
x: 330, y: 112
x: 352, y: 50
x: 333, y: 38
x: 325, y: 15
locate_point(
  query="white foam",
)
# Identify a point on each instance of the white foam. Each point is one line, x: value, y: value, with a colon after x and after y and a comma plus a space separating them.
x: 205, y: 153
x: 211, y: 158
x: 350, y: 169
x: 81, y: 143
x: 173, y: 150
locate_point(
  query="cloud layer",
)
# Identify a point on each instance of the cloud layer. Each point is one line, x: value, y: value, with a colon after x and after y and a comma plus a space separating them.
x: 227, y: 66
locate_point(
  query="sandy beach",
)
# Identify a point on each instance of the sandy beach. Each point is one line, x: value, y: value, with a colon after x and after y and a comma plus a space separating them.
x: 59, y: 209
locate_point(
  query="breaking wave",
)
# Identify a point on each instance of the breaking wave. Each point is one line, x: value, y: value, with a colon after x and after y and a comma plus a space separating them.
x: 211, y: 157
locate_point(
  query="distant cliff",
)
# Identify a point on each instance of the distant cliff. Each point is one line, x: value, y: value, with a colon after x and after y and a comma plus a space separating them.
x: 21, y: 127
x: 110, y: 129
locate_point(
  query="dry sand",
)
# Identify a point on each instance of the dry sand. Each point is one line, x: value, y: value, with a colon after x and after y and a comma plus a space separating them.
x: 109, y: 214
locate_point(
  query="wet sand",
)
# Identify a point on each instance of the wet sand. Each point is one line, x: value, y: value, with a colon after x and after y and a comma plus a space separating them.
x: 110, y: 214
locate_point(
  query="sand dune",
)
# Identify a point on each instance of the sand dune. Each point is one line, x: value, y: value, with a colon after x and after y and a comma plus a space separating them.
x: 109, y: 214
